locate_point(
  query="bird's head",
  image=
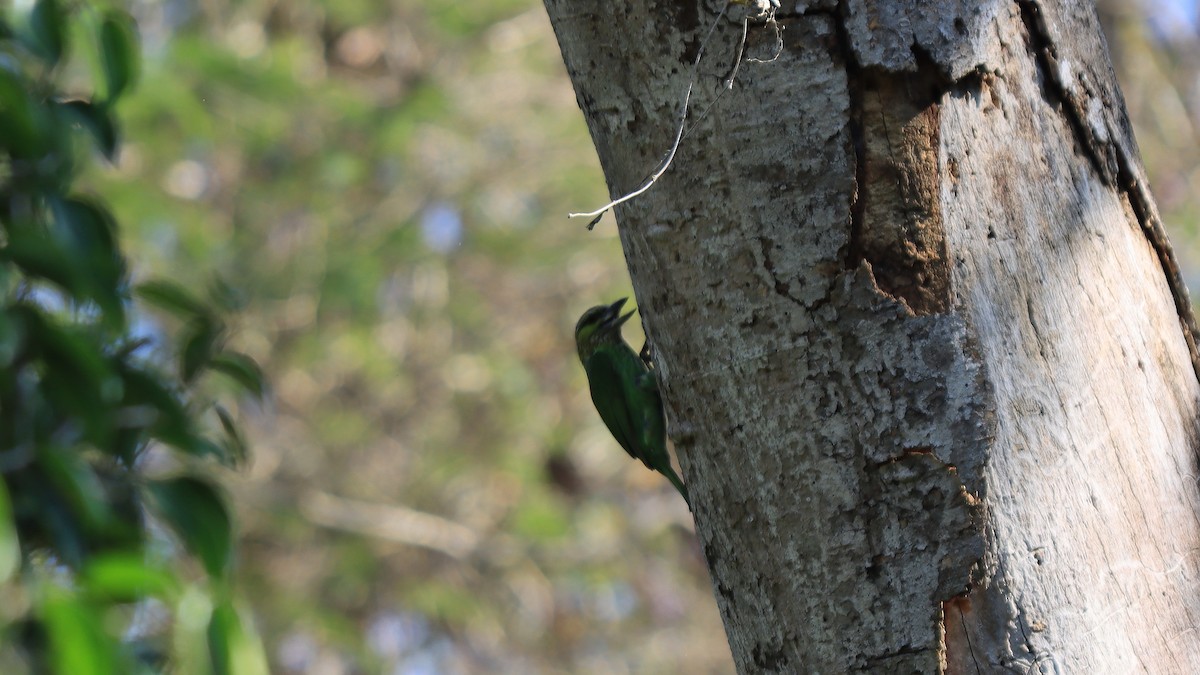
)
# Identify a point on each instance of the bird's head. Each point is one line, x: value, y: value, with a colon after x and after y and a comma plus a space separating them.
x: 599, y: 325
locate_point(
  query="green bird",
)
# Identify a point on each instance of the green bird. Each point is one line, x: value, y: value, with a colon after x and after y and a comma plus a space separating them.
x: 624, y: 390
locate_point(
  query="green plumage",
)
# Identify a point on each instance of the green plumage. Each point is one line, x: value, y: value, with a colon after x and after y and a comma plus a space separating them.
x: 624, y: 390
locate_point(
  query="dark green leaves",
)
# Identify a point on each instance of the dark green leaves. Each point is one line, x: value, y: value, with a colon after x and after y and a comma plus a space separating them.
x: 202, y: 340
x: 48, y: 31
x: 98, y: 121
x: 234, y: 445
x: 161, y: 413
x: 76, y: 251
x: 86, y: 233
x: 80, y: 400
x: 120, y: 57
x: 204, y: 334
x: 171, y: 297
x: 242, y: 369
x: 198, y: 516
x: 21, y: 116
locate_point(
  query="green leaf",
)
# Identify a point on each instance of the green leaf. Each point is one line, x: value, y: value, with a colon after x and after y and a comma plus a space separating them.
x: 173, y: 298
x: 171, y: 422
x: 201, y: 341
x: 12, y: 337
x: 63, y: 531
x: 197, y: 514
x: 235, y: 445
x: 78, y: 486
x: 233, y: 649
x: 76, y: 375
x: 89, y: 232
x: 222, y: 633
x: 87, y: 227
x: 68, y: 348
x: 128, y: 577
x: 10, y: 547
x: 98, y: 121
x: 120, y: 55
x: 41, y: 257
x: 21, y: 118
x: 48, y: 28
x: 243, y: 370
x: 79, y: 644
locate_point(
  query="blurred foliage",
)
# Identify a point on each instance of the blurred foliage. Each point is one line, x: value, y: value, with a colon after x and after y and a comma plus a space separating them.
x: 383, y: 187
x: 100, y: 447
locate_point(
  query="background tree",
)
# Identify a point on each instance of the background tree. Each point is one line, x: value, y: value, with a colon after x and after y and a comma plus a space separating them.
x: 927, y: 355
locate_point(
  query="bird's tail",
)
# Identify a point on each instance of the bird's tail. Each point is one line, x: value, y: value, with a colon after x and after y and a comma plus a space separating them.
x: 674, y: 478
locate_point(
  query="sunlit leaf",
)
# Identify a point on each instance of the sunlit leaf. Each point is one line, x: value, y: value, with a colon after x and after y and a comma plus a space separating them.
x: 10, y: 548
x: 127, y: 577
x: 234, y: 650
x: 193, y: 613
x: 79, y: 644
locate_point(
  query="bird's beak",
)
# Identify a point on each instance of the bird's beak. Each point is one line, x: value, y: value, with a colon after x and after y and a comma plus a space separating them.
x: 615, y: 318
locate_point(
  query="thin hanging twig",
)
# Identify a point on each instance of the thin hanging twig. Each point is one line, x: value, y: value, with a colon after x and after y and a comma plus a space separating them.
x: 666, y: 162
x: 680, y: 133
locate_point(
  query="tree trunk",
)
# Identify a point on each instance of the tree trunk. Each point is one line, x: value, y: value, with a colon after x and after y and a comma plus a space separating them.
x: 926, y: 354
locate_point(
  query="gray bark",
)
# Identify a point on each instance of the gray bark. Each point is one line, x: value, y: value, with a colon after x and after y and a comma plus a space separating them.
x: 927, y: 360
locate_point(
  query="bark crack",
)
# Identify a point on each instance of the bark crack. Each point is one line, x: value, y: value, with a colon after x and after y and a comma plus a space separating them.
x: 887, y: 662
x: 1112, y: 163
x: 782, y: 288
x: 854, y: 255
x: 1045, y: 56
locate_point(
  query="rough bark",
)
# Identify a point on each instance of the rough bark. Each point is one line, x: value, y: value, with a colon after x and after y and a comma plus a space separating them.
x: 927, y: 358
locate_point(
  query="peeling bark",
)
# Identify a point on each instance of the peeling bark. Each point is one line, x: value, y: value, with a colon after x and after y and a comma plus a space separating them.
x: 925, y: 351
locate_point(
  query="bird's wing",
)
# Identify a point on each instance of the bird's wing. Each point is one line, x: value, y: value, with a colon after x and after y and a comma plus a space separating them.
x: 610, y: 388
x: 652, y: 427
